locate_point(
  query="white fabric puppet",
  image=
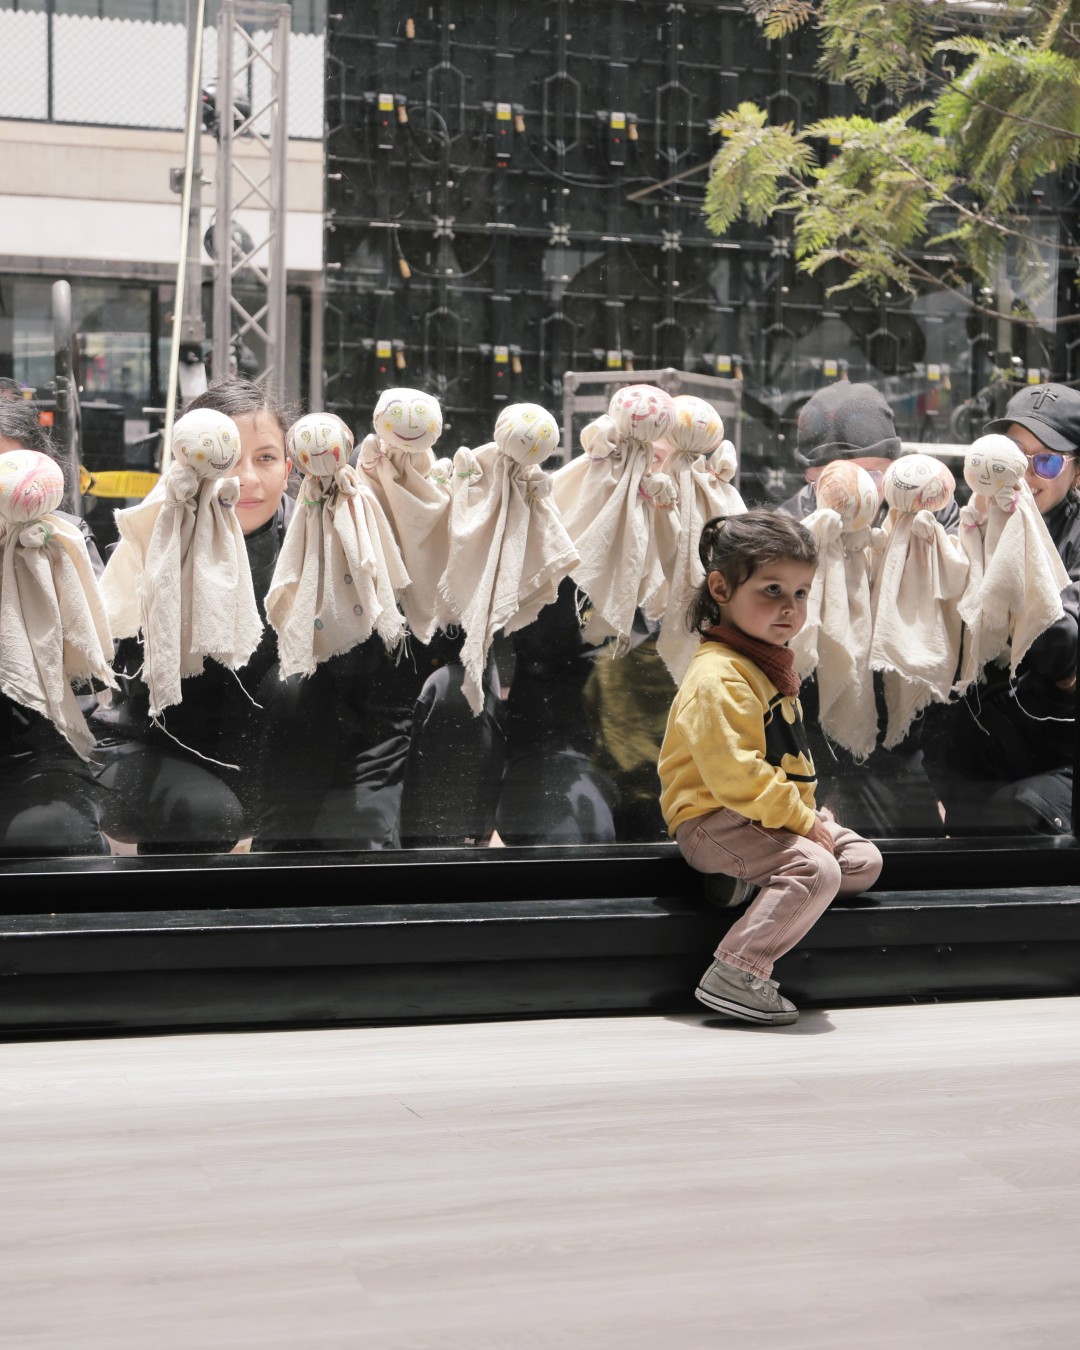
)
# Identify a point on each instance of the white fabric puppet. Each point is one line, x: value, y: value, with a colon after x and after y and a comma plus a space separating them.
x: 339, y: 572
x: 180, y: 573
x: 919, y: 579
x: 53, y: 628
x: 702, y: 466
x: 413, y: 489
x: 835, y: 641
x: 1014, y: 586
x: 508, y: 547
x: 608, y: 498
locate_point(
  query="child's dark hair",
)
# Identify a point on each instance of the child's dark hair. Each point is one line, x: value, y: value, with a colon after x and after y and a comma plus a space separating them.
x: 735, y: 546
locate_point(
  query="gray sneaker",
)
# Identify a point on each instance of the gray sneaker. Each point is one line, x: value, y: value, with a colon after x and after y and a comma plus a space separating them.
x: 740, y: 994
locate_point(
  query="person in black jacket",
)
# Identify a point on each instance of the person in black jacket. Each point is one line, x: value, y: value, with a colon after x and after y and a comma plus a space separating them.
x: 49, y: 801
x: 889, y: 793
x: 1001, y: 758
x: 247, y: 759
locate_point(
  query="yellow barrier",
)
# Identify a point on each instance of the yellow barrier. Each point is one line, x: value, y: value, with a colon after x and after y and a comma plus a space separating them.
x: 117, y: 482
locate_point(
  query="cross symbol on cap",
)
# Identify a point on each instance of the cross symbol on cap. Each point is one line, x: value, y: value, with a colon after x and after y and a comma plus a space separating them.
x: 1039, y: 397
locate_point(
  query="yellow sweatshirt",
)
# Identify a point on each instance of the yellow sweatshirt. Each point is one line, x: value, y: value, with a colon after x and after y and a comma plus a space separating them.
x: 733, y: 740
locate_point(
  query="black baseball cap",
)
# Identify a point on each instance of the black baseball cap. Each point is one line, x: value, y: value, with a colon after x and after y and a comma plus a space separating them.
x: 1049, y: 411
x: 845, y: 421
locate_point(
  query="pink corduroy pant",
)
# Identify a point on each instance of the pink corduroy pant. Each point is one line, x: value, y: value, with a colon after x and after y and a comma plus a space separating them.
x: 798, y: 879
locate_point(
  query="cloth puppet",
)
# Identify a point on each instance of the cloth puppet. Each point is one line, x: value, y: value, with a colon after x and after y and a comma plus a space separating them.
x: 53, y: 627
x: 609, y: 498
x: 508, y: 547
x: 835, y: 641
x: 180, y: 573
x: 1014, y: 586
x: 702, y: 467
x: 920, y: 574
x: 413, y: 488
x: 339, y: 571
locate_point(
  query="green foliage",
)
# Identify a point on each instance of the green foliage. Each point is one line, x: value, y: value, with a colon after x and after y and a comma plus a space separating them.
x: 950, y: 173
x: 778, y: 18
x: 756, y: 170
x: 1016, y: 113
x: 864, y: 44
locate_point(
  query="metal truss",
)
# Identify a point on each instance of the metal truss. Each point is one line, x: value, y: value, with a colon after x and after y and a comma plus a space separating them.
x: 249, y: 224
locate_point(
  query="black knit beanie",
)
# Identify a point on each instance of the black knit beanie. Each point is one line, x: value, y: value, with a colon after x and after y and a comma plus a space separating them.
x: 845, y: 421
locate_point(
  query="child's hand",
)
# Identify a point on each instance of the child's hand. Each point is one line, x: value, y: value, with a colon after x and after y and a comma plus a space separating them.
x: 819, y: 833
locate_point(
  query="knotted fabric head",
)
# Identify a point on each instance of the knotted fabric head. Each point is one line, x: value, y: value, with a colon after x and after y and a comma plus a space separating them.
x: 702, y: 466
x: 53, y: 628
x: 614, y: 507
x: 848, y: 490
x: 918, y: 483
x: 339, y: 572
x: 180, y: 574
x: 508, y: 546
x: 920, y: 576
x: 413, y: 489
x: 1016, y: 578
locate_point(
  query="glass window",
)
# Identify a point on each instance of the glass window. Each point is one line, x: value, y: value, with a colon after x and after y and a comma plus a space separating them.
x: 489, y: 230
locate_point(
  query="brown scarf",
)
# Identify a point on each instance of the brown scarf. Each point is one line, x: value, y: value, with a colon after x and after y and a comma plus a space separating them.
x: 776, y: 662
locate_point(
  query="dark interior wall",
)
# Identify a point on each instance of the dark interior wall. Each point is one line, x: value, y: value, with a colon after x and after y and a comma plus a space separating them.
x: 485, y: 232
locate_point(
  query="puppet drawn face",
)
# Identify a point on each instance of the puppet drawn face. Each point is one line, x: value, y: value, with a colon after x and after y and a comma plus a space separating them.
x: 208, y: 442
x: 31, y: 485
x: 994, y: 465
x: 848, y: 490
x: 526, y: 432
x: 697, y: 429
x: 918, y: 483
x: 320, y: 443
x: 642, y: 411
x: 407, y: 419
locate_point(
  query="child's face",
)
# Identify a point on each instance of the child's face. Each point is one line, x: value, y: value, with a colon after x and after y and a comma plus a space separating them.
x: 770, y: 605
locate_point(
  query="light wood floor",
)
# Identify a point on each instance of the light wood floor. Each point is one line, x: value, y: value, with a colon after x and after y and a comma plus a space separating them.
x: 870, y: 1178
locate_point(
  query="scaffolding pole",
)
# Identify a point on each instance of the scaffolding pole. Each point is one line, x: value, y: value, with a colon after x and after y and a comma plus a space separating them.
x: 249, y: 223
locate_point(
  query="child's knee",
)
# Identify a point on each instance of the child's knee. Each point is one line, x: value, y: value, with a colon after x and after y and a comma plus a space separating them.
x: 818, y: 869
x: 864, y: 863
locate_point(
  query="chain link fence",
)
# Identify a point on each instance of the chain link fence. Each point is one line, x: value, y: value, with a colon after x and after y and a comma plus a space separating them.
x: 127, y: 72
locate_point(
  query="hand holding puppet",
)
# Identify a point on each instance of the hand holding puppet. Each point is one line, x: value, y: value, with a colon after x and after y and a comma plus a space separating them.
x: 1014, y: 586
x: 413, y: 488
x: 180, y: 574
x: 702, y: 465
x: 920, y: 576
x: 835, y: 641
x: 339, y: 571
x: 508, y: 547
x: 53, y: 628
x: 609, y: 499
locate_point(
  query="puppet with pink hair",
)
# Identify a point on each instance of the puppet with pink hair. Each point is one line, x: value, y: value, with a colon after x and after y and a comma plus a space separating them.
x: 339, y: 572
x: 835, y: 642
x: 180, y: 575
x: 702, y: 466
x: 508, y: 546
x: 610, y: 499
x: 920, y: 575
x: 413, y: 488
x: 54, y: 632
x: 1016, y: 577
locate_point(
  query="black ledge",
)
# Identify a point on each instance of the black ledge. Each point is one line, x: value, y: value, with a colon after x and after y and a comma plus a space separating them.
x: 314, y: 964
x: 213, y: 881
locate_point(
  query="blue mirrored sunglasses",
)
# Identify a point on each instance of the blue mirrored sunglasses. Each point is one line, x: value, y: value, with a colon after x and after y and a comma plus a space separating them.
x: 1048, y: 463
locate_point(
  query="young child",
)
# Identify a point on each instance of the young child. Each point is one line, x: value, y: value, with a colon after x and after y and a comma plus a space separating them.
x: 737, y: 780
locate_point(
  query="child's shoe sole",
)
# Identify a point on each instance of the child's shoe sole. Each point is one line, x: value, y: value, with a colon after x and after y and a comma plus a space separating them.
x: 779, y: 1019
